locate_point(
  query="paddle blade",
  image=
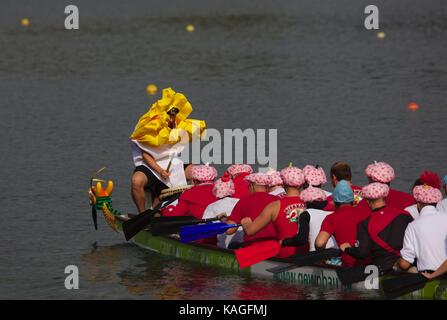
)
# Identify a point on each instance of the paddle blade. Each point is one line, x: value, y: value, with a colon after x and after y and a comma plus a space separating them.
x: 348, y: 275
x: 94, y: 217
x: 132, y: 226
x: 192, y: 233
x: 169, y: 225
x: 257, y: 252
x: 398, y: 286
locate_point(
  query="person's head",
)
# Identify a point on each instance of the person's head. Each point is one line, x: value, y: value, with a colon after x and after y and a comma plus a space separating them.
x: 375, y: 194
x: 426, y: 195
x: 276, y: 180
x: 236, y: 169
x: 203, y: 174
x: 258, y: 182
x: 223, y: 187
x: 314, y: 176
x: 293, y: 179
x: 313, y: 194
x: 380, y: 172
x: 343, y: 194
x: 172, y: 114
x: 340, y: 171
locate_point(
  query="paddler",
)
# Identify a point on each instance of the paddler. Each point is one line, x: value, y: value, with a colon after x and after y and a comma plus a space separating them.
x: 283, y: 213
x: 315, y: 176
x: 383, y: 173
x: 381, y: 235
x: 238, y: 172
x: 194, y: 201
x: 223, y: 189
x: 425, y: 238
x: 252, y: 205
x: 311, y: 219
x: 276, y: 187
x: 342, y: 171
x: 157, y: 142
x: 342, y: 224
x: 442, y: 205
x: 428, y: 178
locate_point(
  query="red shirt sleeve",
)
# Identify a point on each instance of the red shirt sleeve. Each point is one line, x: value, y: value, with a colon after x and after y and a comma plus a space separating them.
x: 181, y: 209
x: 236, y: 214
x: 328, y: 224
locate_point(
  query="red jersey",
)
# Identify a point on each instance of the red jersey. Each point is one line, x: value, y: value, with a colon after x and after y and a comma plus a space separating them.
x: 193, y: 202
x: 342, y: 224
x: 251, y: 206
x: 330, y: 201
x: 398, y: 199
x: 286, y: 223
x: 395, y: 199
x: 241, y: 187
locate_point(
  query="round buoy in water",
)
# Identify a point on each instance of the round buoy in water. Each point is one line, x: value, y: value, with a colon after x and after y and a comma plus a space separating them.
x: 413, y: 106
x: 190, y: 28
x: 151, y: 89
x: 381, y: 35
x: 24, y: 22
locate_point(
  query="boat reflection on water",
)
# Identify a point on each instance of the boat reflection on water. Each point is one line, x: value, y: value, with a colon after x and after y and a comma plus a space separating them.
x: 146, y: 275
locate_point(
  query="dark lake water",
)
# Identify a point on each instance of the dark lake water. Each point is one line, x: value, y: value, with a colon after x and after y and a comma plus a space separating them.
x: 70, y: 99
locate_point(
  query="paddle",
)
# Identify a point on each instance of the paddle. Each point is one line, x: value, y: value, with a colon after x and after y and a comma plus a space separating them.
x: 257, y: 252
x: 169, y: 225
x: 406, y: 283
x: 132, y: 226
x: 349, y: 275
x: 308, y: 258
x: 192, y: 233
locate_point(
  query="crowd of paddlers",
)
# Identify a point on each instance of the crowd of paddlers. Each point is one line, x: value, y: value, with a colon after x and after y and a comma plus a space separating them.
x: 374, y: 224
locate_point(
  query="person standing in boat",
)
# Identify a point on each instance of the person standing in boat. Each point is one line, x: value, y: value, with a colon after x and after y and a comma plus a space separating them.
x: 252, y: 205
x: 223, y: 189
x: 195, y: 200
x: 276, y: 186
x: 157, y: 141
x: 442, y: 205
x: 342, y: 171
x: 342, y: 224
x: 425, y: 238
x: 284, y: 213
x: 381, y: 235
x: 238, y: 172
x: 383, y: 173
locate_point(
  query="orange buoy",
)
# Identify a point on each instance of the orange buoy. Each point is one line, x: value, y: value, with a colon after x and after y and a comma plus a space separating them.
x: 190, y: 27
x: 413, y: 106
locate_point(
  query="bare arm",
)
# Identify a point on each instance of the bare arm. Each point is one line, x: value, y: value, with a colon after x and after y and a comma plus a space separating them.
x: 321, y: 240
x: 404, y: 264
x: 267, y: 215
x: 439, y: 272
x: 154, y: 165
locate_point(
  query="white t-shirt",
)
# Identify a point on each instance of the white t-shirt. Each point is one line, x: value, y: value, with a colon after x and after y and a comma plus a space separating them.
x: 413, y: 210
x: 224, y: 205
x: 316, y: 219
x: 442, y: 205
x: 162, y: 155
x: 425, y: 239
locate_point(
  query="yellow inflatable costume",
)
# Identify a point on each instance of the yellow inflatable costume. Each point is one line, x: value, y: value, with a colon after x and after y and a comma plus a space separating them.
x: 153, y: 129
